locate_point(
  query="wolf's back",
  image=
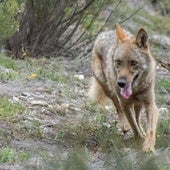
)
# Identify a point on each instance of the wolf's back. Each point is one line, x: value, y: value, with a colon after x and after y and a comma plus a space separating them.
x: 104, y: 42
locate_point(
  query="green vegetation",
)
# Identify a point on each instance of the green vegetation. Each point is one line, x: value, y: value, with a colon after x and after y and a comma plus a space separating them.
x: 162, y: 88
x: 9, y: 109
x: 6, y: 75
x: 8, y: 68
x: 77, y: 160
x: 156, y: 23
x: 164, y: 83
x: 8, y: 62
x: 8, y: 12
x: 23, y: 155
x: 163, y: 132
x: 159, y: 23
x: 43, y: 69
x: 7, y: 155
x: 83, y: 127
x: 98, y: 133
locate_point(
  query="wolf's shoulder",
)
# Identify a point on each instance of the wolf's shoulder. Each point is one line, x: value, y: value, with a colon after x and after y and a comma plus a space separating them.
x: 104, y: 41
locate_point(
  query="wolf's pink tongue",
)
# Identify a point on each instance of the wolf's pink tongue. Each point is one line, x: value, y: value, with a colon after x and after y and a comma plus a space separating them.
x: 126, y: 91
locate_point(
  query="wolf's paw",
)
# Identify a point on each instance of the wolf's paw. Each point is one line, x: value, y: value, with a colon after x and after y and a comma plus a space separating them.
x: 149, y: 143
x: 148, y: 148
x: 125, y: 127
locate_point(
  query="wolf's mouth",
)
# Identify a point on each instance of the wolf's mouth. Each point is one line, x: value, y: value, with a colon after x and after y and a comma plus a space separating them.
x: 135, y: 78
x: 126, y: 91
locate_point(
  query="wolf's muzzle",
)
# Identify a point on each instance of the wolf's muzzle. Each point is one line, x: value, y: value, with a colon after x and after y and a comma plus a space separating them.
x: 122, y: 82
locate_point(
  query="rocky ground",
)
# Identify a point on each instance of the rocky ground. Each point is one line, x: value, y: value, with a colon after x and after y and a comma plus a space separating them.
x: 58, y: 117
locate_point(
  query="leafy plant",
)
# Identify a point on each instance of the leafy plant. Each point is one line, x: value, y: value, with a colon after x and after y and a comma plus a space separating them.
x: 8, y: 12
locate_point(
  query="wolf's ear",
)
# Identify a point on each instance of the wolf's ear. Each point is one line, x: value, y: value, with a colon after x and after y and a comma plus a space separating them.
x: 142, y: 39
x: 121, y: 36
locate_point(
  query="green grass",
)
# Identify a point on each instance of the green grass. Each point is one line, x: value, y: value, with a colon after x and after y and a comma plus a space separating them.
x: 53, y: 74
x: 77, y: 160
x: 23, y: 155
x: 162, y: 90
x: 144, y: 19
x: 7, y: 155
x: 92, y: 133
x: 163, y: 132
x: 48, y: 69
x: 8, y: 109
x: 164, y: 83
x: 8, y: 68
x: 7, y: 75
x: 8, y: 62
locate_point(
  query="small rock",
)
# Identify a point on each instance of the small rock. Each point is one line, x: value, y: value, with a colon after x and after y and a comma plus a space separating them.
x: 38, y: 103
x: 47, y: 131
x: 28, y: 124
x: 76, y: 109
x: 15, y: 99
x: 22, y: 98
x: 163, y: 110
x: 107, y: 125
x: 80, y: 76
x: 65, y: 105
x: 25, y: 94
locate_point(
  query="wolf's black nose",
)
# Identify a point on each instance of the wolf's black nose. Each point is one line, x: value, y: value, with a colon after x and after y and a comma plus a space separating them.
x: 122, y: 82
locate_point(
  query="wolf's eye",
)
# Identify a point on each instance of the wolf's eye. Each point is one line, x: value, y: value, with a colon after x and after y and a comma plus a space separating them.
x: 118, y: 63
x: 133, y: 63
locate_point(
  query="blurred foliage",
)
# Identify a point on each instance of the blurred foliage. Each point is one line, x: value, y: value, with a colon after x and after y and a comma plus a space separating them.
x: 49, y: 27
x: 8, y: 15
x: 162, y: 5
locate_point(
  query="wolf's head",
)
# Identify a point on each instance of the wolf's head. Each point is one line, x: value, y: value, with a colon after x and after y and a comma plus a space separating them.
x: 131, y: 60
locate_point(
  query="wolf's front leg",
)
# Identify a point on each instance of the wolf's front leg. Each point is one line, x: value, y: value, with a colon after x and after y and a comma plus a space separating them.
x: 130, y: 115
x: 152, y: 118
x: 125, y: 126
